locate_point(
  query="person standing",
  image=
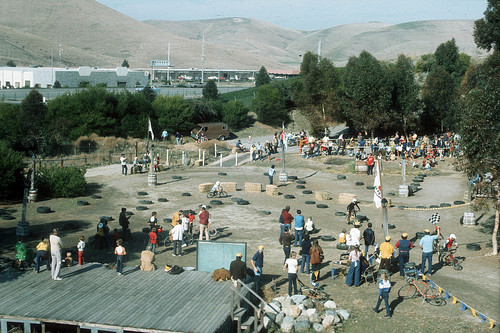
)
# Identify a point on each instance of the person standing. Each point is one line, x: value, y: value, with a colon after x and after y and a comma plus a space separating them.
x: 291, y: 266
x: 238, y: 269
x: 123, y: 161
x: 386, y: 251
x: 369, y: 237
x: 287, y: 219
x: 41, y: 253
x: 55, y: 249
x: 164, y: 135
x: 427, y: 246
x: 353, y: 276
x: 120, y: 253
x: 404, y: 246
x: 153, y: 236
x: 354, y: 235
x: 177, y: 235
x: 370, y: 161
x: 316, y: 253
x: 271, y: 173
x: 124, y: 222
x: 81, y: 249
x: 286, y: 239
x: 306, y: 256
x: 257, y: 264
x: 178, y: 138
x: 299, y: 228
x: 384, y: 287
x: 204, y: 216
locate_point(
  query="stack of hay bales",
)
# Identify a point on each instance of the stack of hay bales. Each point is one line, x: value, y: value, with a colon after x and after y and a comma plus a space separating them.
x: 205, y: 187
x: 229, y: 186
x: 253, y: 187
x: 272, y: 190
x: 322, y: 195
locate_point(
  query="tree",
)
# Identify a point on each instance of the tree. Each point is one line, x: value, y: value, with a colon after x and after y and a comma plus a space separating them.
x: 235, y: 114
x: 206, y: 110
x: 480, y: 139
x: 149, y: 93
x: 448, y: 57
x: 11, y: 63
x: 57, y: 84
x: 12, y: 131
x: 174, y: 113
x: 426, y: 63
x: 405, y: 94
x: 439, y: 96
x: 32, y: 117
x: 269, y: 106
x: 125, y: 63
x: 368, y: 92
x: 487, y: 29
x: 262, y: 78
x: 210, y: 90
x: 12, y: 169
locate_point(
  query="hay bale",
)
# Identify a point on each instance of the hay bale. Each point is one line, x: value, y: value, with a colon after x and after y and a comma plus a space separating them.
x: 198, y: 163
x: 221, y: 274
x: 205, y: 187
x: 229, y: 186
x: 346, y: 198
x: 322, y: 195
x: 253, y: 187
x: 147, y: 259
x: 272, y: 190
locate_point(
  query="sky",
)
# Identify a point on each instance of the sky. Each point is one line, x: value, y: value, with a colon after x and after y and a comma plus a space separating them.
x: 302, y: 14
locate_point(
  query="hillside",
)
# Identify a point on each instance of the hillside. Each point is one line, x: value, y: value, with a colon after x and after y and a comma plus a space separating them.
x: 94, y: 35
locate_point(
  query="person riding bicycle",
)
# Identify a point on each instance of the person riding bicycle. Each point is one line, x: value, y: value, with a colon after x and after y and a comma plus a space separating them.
x: 216, y: 188
x: 351, y: 209
x: 450, y: 243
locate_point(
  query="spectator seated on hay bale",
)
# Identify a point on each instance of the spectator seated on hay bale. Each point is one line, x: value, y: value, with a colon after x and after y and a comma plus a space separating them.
x: 147, y: 259
x: 221, y: 274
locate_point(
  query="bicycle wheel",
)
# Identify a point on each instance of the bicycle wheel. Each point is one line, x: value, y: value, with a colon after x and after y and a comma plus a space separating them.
x: 407, y: 291
x: 222, y: 194
x: 432, y: 296
x: 456, y: 264
x: 210, y: 195
x: 212, y: 231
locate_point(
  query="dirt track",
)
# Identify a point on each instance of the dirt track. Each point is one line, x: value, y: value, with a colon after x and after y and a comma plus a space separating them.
x: 476, y: 284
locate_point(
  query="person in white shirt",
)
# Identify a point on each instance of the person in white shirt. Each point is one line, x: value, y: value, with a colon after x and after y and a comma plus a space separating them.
x: 354, y: 235
x: 177, y: 235
x: 81, y: 248
x: 123, y: 161
x: 291, y: 265
x: 55, y: 250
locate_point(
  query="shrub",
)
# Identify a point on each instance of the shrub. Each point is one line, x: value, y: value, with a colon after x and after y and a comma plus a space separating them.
x: 11, y: 169
x: 58, y: 182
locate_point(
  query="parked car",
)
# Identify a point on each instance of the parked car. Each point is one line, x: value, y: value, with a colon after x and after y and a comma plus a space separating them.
x: 218, y: 131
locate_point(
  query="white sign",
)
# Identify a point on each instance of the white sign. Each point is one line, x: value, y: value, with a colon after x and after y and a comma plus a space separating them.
x: 158, y: 63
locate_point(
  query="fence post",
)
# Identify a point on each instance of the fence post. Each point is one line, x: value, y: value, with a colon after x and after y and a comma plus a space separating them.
x: 236, y: 160
x: 136, y: 147
x: 167, y: 162
x: 215, y: 149
x: 199, y: 154
x: 62, y: 163
x: 203, y: 160
x: 221, y: 160
x: 183, y: 157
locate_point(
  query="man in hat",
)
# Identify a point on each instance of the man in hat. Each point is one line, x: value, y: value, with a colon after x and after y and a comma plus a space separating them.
x: 404, y: 246
x: 351, y: 210
x: 238, y: 269
x: 286, y: 240
x: 427, y: 246
x: 386, y: 251
x: 257, y: 264
x: 354, y: 235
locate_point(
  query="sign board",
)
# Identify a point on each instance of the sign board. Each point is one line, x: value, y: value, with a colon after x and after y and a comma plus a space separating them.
x: 160, y: 63
x: 211, y: 255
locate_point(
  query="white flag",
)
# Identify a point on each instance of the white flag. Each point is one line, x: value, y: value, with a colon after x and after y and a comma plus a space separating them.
x: 377, y: 194
x: 150, y: 130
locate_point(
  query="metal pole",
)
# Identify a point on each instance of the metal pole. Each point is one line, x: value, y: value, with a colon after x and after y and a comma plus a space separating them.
x: 236, y: 160
x: 203, y: 163
x: 403, y: 168
x: 385, y: 222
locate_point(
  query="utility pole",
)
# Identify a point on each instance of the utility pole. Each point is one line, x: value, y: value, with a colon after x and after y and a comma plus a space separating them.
x: 202, y: 59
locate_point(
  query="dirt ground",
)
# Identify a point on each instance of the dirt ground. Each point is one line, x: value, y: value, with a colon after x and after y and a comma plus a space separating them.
x: 476, y: 285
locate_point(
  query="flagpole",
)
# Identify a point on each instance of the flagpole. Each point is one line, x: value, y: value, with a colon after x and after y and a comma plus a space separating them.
x: 147, y: 136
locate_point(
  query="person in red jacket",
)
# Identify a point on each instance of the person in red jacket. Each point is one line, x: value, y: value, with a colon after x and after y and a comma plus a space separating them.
x: 370, y: 161
x: 153, y: 236
x: 204, y: 217
x: 286, y: 218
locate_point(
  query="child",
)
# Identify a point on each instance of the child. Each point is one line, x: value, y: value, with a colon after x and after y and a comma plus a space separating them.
x: 291, y: 265
x: 152, y: 239
x: 153, y: 221
x: 42, y: 250
x: 81, y: 247
x: 191, y: 217
x: 384, y: 287
x: 68, y: 261
x: 120, y: 253
x: 342, y: 236
x: 216, y: 188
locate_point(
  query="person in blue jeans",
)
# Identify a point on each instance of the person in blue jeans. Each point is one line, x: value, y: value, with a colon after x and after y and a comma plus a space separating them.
x: 271, y: 173
x: 384, y: 287
x: 353, y: 275
x: 427, y: 246
x: 299, y: 228
x: 306, y: 257
x: 257, y: 263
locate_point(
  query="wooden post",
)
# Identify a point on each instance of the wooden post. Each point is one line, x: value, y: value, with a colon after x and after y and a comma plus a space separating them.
x: 183, y: 157
x: 167, y: 162
x: 236, y: 160
x: 203, y: 163
x: 221, y: 160
x: 62, y: 163
x: 199, y: 154
x: 136, y: 147
x: 215, y: 150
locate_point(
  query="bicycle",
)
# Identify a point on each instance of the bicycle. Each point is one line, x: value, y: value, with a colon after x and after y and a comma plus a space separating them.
x: 429, y: 293
x: 218, y: 193
x: 188, y: 239
x: 352, y: 218
x: 448, y: 258
x: 212, y: 231
x: 316, y: 293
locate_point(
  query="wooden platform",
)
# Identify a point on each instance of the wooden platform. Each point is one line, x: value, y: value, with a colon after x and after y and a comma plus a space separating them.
x: 94, y: 296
